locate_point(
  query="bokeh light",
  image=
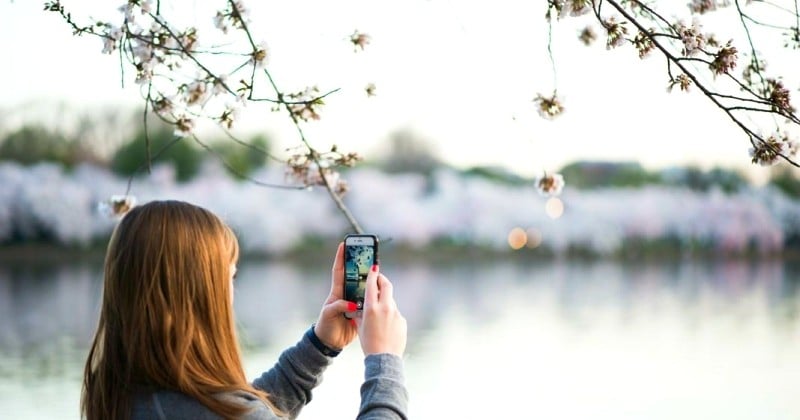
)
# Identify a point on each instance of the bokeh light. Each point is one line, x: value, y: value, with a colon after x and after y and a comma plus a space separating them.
x: 554, y: 207
x: 517, y: 238
x: 534, y: 238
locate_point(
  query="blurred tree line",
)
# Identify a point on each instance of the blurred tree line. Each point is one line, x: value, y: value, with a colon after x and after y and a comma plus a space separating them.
x: 408, y: 152
x: 590, y: 175
x: 403, y: 152
x: 34, y: 143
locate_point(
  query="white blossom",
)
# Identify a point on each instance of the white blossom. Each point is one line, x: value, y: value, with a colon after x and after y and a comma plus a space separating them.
x: 260, y: 56
x: 221, y: 22
x: 127, y: 10
x: 692, y: 38
x: 196, y: 93
x: 142, y: 51
x: 578, y: 7
x: 232, y: 113
x: 146, y: 5
x: 549, y: 107
x: 111, y: 39
x: 116, y: 206
x: 144, y: 72
x: 244, y: 12
x: 219, y: 85
x: 768, y: 151
x: 184, y: 127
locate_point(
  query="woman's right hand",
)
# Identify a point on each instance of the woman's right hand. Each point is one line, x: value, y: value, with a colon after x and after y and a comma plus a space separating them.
x: 381, y: 329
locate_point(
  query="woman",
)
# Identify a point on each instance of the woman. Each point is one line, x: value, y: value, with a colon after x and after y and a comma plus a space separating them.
x: 166, y: 342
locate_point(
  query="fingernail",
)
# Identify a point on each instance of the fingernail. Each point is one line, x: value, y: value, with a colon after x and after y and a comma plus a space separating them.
x: 374, y: 267
x: 351, y: 306
x: 353, y: 322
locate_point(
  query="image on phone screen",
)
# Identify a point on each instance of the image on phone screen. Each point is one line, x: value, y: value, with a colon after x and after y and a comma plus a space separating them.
x: 358, y: 259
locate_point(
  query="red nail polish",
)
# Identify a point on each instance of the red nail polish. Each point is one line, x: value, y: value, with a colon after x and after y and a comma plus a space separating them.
x: 374, y: 267
x: 351, y: 306
x: 353, y: 322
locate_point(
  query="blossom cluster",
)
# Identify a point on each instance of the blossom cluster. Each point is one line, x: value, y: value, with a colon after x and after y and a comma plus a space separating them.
x: 319, y: 169
x: 681, y: 80
x: 236, y: 15
x: 768, y: 151
x: 573, y: 8
x: 692, y: 46
x: 360, y: 40
x: 550, y: 185
x: 587, y: 36
x: 692, y: 38
x: 724, y: 60
x: 615, y: 32
x: 305, y: 104
x: 184, y: 86
x: 549, y: 107
x: 778, y: 95
x: 116, y: 206
x: 705, y: 6
x: 643, y: 43
x: 181, y: 87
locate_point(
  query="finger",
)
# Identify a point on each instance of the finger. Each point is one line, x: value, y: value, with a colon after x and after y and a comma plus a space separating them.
x: 337, y: 273
x: 336, y: 308
x: 386, y: 288
x: 371, y: 292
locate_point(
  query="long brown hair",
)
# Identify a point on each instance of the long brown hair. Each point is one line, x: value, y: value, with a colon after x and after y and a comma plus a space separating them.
x: 166, y: 320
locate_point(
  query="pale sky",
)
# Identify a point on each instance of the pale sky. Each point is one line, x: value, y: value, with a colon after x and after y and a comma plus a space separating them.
x: 460, y: 74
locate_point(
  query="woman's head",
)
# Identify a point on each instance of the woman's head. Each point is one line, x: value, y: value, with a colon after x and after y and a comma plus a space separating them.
x: 166, y: 320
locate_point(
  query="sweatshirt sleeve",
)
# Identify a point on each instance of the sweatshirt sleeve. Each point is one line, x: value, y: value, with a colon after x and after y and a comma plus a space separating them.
x: 289, y: 383
x: 383, y: 394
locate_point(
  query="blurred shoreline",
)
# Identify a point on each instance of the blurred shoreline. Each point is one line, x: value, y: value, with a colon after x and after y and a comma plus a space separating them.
x: 321, y: 253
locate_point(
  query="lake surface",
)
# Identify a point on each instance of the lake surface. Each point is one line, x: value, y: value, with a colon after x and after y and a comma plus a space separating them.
x: 517, y: 340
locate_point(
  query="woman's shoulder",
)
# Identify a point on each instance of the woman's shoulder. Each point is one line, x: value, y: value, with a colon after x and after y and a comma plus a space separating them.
x: 167, y: 404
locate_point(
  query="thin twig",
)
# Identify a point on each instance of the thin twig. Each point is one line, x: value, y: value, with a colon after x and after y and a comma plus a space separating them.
x: 240, y: 174
x: 141, y: 165
x: 550, y: 53
x: 146, y: 131
x: 766, y: 25
x: 284, y: 101
x: 750, y: 41
x: 252, y: 146
x: 781, y: 8
x: 739, y: 98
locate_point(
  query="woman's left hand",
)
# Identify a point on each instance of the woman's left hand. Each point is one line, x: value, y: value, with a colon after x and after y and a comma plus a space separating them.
x: 332, y: 328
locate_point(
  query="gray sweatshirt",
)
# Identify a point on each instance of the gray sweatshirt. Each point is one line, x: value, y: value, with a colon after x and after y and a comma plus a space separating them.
x: 289, y: 384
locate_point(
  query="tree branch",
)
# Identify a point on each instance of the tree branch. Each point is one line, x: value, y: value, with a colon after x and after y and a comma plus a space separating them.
x: 335, y: 197
x: 706, y: 91
x: 240, y: 174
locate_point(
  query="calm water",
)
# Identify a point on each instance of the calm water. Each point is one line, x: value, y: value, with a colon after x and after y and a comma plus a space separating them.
x: 534, y: 340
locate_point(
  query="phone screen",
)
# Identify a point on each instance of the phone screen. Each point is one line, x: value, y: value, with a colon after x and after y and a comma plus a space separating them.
x: 360, y: 253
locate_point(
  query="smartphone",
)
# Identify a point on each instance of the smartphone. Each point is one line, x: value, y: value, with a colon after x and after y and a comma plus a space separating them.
x: 360, y: 254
